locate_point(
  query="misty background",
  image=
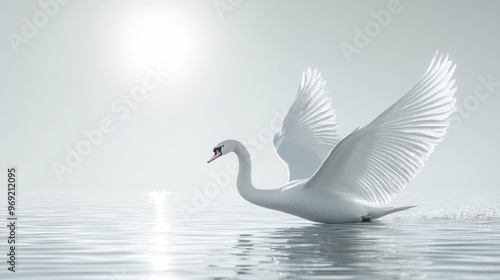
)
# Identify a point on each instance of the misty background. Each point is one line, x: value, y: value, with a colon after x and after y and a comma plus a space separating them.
x: 232, y: 65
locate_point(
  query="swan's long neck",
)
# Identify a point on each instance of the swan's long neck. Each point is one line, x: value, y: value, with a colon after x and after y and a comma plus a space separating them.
x: 264, y: 198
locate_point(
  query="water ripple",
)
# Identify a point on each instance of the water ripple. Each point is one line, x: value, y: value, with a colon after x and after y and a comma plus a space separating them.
x: 134, y: 237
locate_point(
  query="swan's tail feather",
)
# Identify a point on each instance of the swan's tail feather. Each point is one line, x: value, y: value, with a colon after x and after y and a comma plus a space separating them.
x: 386, y: 211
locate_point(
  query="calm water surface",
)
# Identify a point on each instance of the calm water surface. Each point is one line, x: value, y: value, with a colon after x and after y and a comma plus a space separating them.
x: 136, y: 237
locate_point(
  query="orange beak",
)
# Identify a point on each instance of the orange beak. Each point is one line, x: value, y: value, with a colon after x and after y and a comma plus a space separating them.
x: 216, y: 155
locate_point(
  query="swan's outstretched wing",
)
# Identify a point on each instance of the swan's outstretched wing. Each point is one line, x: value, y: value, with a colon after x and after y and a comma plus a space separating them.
x: 375, y: 162
x: 309, y: 130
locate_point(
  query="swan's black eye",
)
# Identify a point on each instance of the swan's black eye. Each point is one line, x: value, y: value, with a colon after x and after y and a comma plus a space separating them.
x: 218, y: 149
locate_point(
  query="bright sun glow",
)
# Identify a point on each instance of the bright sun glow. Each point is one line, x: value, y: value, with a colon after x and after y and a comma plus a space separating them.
x: 156, y: 37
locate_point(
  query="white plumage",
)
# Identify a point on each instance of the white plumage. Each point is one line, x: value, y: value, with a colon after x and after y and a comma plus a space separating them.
x: 332, y: 181
x: 309, y: 130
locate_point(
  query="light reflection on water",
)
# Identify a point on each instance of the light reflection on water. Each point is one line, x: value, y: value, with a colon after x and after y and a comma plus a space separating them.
x: 158, y: 259
x: 142, y: 237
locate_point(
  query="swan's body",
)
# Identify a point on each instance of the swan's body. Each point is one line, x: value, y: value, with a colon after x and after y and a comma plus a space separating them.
x: 332, y: 181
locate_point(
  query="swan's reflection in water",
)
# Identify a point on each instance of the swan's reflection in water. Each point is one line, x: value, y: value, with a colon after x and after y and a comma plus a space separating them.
x: 348, y: 251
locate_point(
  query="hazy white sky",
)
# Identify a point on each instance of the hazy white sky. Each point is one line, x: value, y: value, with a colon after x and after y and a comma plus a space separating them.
x: 84, y: 65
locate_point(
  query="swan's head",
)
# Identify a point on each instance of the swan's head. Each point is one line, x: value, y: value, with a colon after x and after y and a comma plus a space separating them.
x: 221, y: 149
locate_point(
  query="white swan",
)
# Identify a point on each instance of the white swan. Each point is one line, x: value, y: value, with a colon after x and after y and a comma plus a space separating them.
x: 332, y: 181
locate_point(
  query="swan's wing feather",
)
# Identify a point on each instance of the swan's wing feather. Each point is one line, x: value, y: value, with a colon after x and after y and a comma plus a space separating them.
x: 373, y: 163
x: 309, y: 129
